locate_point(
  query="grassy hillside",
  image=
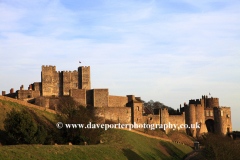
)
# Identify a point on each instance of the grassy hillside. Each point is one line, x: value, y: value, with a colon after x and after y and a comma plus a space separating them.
x: 118, y: 144
x: 7, y: 106
x: 43, y: 117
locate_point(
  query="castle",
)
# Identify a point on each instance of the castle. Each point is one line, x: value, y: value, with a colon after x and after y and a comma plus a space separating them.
x: 126, y: 110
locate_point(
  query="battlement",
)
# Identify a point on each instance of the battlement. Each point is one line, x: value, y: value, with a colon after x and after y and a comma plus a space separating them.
x: 213, y: 98
x: 48, y: 67
x: 67, y: 72
x: 193, y: 101
x: 85, y: 68
x: 224, y: 107
x: 206, y: 97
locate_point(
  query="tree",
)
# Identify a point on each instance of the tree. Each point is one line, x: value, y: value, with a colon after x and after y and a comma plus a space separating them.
x: 72, y: 113
x: 22, y: 129
x: 151, y: 105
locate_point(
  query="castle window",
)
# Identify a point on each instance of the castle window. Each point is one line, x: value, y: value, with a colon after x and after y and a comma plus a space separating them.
x: 74, y: 84
x: 58, y: 85
x: 221, y: 113
x: 207, y: 113
x: 211, y: 113
x: 150, y: 118
x: 137, y: 108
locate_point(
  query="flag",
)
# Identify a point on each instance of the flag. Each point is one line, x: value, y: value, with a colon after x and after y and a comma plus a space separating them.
x: 79, y: 62
x: 209, y: 94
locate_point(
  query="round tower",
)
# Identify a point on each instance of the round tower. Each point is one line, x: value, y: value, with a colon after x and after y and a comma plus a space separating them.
x: 164, y: 118
x: 200, y: 119
x: 212, y: 102
x: 222, y: 117
x: 191, y: 117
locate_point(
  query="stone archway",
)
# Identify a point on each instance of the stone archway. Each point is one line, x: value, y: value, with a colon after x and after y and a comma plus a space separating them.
x: 210, y: 125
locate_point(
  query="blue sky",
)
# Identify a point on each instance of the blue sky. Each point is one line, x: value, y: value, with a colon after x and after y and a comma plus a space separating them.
x: 167, y: 51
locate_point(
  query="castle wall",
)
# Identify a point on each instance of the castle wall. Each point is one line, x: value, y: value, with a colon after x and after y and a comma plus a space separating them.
x: 117, y: 101
x: 24, y: 94
x: 131, y: 98
x: 35, y: 94
x: 117, y: 114
x: 42, y: 101
x: 37, y: 86
x: 100, y: 97
x: 89, y: 97
x: 152, y: 119
x: 177, y: 119
x: 53, y: 103
x: 79, y: 95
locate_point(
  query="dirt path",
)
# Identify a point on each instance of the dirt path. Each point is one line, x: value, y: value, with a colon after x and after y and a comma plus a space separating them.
x: 147, y: 135
x: 195, y: 155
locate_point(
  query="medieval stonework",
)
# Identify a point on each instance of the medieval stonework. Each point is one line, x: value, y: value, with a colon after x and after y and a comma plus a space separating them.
x: 125, y: 110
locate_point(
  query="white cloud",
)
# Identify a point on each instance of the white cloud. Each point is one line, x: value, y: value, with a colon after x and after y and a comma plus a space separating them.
x: 132, y: 47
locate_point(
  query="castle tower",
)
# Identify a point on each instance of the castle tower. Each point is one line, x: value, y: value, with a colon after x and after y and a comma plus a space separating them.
x: 222, y: 117
x: 200, y: 117
x: 164, y: 118
x: 212, y: 102
x: 48, y: 80
x: 84, y: 79
x: 191, y: 118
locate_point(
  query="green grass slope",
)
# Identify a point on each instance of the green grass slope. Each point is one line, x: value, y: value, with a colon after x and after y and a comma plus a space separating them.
x: 118, y: 144
x: 48, y: 119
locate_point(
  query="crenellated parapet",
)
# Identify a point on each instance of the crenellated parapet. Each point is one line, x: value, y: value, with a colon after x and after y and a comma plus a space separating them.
x: 48, y: 68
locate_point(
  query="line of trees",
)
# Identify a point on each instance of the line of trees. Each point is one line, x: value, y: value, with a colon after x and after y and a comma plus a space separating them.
x: 151, y: 105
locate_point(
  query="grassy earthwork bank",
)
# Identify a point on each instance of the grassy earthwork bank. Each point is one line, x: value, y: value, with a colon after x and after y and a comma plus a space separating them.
x: 117, y: 144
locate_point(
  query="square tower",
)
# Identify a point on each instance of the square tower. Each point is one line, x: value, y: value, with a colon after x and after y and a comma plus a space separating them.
x: 84, y: 79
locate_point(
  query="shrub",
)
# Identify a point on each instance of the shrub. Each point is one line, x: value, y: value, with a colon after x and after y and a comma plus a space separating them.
x: 22, y: 129
x: 72, y: 113
x: 220, y: 147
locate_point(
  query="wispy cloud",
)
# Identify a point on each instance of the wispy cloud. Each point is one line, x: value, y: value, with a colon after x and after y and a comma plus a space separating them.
x: 169, y: 51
